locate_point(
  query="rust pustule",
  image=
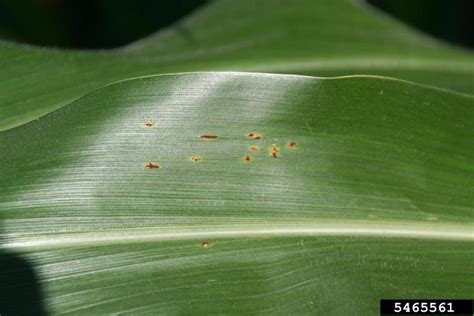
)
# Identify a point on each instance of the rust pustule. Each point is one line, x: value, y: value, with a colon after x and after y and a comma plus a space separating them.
x: 149, y: 124
x: 274, y: 152
x: 254, y: 136
x: 208, y: 137
x: 196, y: 158
x: 151, y: 165
x: 254, y: 149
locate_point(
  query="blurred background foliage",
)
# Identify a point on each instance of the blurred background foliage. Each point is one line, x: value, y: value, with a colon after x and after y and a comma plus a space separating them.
x: 93, y: 24
x: 88, y: 24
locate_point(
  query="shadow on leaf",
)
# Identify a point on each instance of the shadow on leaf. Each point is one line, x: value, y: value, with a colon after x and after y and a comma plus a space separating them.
x: 20, y: 292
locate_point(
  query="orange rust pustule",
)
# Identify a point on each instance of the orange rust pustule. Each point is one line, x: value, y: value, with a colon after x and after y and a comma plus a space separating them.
x: 254, y: 136
x: 248, y: 158
x: 149, y: 125
x: 208, y: 137
x: 205, y: 244
x: 274, y: 152
x: 292, y: 145
x: 254, y: 149
x: 151, y: 165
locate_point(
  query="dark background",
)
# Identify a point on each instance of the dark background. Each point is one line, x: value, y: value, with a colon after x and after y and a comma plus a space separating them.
x: 89, y: 24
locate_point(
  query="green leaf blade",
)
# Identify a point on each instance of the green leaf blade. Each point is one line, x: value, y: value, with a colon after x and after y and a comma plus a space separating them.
x: 375, y: 200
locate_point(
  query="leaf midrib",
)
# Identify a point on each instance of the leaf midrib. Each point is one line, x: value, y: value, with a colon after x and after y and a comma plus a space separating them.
x: 410, y: 230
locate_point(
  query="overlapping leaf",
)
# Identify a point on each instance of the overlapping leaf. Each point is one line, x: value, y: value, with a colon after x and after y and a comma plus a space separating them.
x: 321, y: 38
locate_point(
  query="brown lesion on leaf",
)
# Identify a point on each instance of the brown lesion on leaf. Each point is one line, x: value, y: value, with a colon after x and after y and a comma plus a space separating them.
x: 208, y: 137
x: 152, y: 165
x: 196, y: 158
x: 254, y: 149
x: 254, y: 136
x: 149, y: 124
x: 292, y: 145
x: 274, y: 152
x: 248, y: 158
x: 205, y: 244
